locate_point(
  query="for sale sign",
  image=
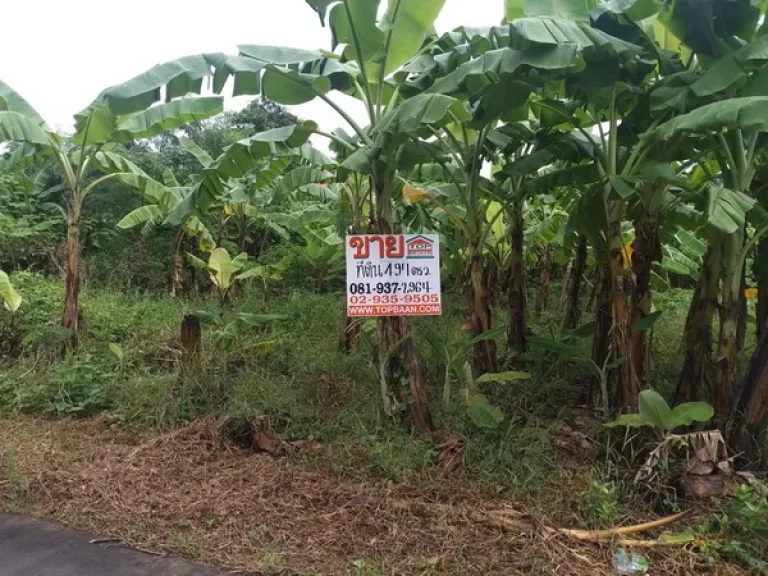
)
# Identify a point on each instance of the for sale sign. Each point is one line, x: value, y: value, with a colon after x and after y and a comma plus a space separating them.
x: 393, y: 275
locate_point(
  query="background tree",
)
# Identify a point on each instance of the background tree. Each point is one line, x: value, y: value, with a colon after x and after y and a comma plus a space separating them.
x: 86, y: 151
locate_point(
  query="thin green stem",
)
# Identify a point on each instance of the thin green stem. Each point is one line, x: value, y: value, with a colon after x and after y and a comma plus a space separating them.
x: 336, y: 139
x: 66, y: 166
x: 628, y: 171
x: 728, y: 156
x: 472, y: 207
x: 448, y: 172
x: 98, y: 181
x: 364, y: 99
x: 613, y: 135
x: 454, y: 147
x: 598, y: 151
x: 753, y: 241
x: 604, y: 143
x: 488, y: 228
x: 751, y: 142
x: 359, y: 50
x: 393, y: 101
x: 355, y: 126
x: 84, y: 159
x: 740, y: 157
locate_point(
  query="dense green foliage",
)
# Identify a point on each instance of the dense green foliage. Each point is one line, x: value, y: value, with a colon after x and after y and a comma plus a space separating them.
x: 610, y: 151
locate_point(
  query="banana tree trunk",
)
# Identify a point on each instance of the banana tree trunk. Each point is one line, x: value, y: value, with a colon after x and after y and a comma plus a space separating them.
x: 727, y: 346
x: 601, y: 339
x: 516, y: 290
x: 11, y: 339
x: 545, y: 266
x: 697, y: 335
x: 177, y: 287
x: 751, y: 405
x: 627, y: 386
x: 484, y: 358
x: 594, y: 293
x: 741, y: 331
x: 762, y: 286
x: 350, y: 330
x: 177, y: 280
x: 762, y: 306
x: 572, y: 305
x: 71, y: 317
x: 566, y: 285
x: 191, y: 339
x: 398, y: 357
x: 647, y: 249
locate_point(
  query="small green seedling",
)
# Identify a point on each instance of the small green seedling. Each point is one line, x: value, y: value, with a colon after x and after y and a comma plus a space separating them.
x: 656, y: 413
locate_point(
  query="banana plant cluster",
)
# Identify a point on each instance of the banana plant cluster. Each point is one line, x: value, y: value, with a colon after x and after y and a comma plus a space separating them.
x: 611, y: 137
x: 86, y: 160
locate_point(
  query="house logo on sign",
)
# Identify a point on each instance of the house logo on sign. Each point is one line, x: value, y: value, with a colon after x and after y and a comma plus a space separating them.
x: 419, y: 247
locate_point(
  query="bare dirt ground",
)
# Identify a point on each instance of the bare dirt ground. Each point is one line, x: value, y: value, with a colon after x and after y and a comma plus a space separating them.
x: 190, y: 493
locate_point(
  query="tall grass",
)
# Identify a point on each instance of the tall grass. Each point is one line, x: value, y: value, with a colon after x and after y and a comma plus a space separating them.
x: 291, y: 375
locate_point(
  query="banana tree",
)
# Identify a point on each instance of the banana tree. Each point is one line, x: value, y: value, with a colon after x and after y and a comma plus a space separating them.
x: 245, y: 202
x: 480, y: 206
x: 355, y: 207
x: 571, y: 294
x: 325, y: 255
x: 730, y: 65
x: 544, y: 227
x: 612, y: 91
x: 162, y: 199
x: 373, y: 51
x: 222, y: 269
x: 356, y: 216
x: 97, y: 128
x: 279, y: 182
x: 662, y: 221
x: 609, y: 184
x: 496, y: 74
x: 732, y: 127
x: 751, y: 405
x: 467, y: 149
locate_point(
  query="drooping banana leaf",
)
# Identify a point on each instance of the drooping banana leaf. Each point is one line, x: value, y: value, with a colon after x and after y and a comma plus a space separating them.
x: 142, y: 215
x: 196, y: 151
x: 235, y: 162
x: 746, y: 113
x: 15, y: 127
x: 12, y: 101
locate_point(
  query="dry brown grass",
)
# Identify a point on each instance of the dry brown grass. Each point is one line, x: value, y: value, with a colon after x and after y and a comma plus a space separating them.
x: 191, y: 493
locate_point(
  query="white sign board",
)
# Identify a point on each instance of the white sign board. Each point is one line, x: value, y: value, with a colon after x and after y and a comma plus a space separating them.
x: 393, y: 275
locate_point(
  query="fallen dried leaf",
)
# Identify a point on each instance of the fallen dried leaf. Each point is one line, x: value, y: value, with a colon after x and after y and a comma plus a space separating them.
x: 265, y: 442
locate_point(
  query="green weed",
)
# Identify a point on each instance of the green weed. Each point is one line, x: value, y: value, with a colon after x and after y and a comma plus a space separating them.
x: 270, y: 560
x: 740, y: 531
x: 292, y: 376
x: 363, y: 567
x: 184, y: 542
x: 600, y: 505
x: 17, y: 496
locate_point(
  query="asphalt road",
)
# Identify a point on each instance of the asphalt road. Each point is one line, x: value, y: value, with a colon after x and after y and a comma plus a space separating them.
x: 29, y: 547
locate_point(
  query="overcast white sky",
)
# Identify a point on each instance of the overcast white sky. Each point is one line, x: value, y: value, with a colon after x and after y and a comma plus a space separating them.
x: 59, y: 54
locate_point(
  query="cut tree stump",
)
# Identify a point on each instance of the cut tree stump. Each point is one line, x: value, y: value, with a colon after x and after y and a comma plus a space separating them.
x: 191, y: 338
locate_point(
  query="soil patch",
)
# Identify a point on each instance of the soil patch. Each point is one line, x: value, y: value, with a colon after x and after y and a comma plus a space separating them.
x: 189, y: 492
